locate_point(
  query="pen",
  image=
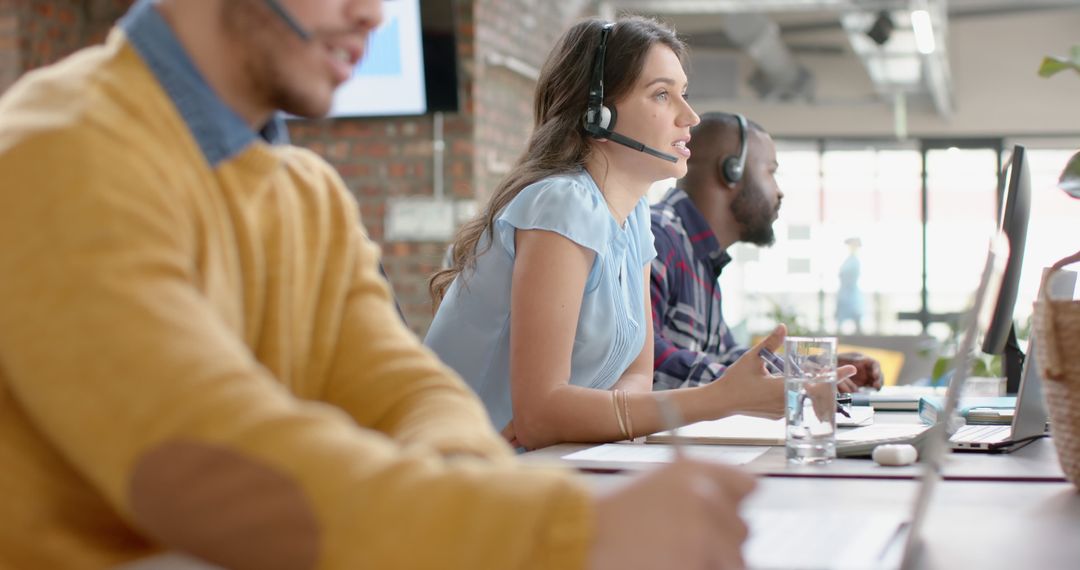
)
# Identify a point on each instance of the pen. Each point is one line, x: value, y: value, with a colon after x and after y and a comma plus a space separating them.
x: 669, y: 413
x: 770, y: 358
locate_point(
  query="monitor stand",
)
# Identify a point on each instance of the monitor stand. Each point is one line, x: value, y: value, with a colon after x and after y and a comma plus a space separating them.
x: 1012, y: 363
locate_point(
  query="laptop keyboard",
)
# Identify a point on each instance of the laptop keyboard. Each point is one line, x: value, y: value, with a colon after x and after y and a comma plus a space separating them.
x: 987, y: 434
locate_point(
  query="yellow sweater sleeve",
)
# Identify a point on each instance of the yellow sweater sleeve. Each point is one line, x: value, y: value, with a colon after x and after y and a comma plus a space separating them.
x: 140, y: 386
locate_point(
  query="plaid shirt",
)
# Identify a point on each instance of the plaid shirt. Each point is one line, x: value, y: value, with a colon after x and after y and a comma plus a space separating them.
x: 692, y: 343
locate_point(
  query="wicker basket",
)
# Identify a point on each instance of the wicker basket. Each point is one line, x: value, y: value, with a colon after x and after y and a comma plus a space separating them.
x: 1057, y: 324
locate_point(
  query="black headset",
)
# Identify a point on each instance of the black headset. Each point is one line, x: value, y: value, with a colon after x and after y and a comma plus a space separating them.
x: 733, y: 165
x: 599, y: 119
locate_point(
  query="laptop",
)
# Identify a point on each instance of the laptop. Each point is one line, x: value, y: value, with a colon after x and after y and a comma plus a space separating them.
x: 812, y: 538
x: 1029, y: 420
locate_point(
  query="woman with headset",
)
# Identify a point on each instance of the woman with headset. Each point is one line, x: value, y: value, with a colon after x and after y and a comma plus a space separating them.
x: 545, y: 309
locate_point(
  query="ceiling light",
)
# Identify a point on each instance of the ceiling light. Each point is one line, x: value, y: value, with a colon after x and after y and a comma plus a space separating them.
x: 924, y: 32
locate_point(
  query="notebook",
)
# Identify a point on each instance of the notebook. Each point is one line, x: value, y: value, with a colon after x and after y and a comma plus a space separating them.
x: 811, y: 538
x: 986, y: 410
x: 896, y: 398
x: 749, y: 430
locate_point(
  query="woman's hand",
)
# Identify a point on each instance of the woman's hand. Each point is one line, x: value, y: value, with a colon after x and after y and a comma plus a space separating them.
x: 510, y: 435
x: 747, y: 387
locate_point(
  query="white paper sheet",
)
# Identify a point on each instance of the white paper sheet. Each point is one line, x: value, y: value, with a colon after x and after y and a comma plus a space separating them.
x: 630, y: 456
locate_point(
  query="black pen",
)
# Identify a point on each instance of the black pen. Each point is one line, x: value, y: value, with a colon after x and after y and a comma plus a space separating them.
x: 770, y: 358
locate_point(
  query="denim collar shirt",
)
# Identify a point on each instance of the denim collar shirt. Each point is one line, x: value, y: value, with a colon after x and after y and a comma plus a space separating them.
x: 218, y: 130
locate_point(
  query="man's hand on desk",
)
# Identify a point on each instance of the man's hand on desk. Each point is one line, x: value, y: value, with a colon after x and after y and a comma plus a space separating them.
x: 1067, y: 260
x: 684, y: 515
x: 867, y: 372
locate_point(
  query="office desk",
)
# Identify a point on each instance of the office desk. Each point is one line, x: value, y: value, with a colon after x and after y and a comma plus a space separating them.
x: 1036, y: 461
x: 970, y: 524
x: 1005, y: 511
x: 1025, y: 522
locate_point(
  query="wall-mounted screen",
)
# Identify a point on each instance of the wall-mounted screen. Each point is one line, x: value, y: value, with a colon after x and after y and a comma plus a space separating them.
x: 389, y: 80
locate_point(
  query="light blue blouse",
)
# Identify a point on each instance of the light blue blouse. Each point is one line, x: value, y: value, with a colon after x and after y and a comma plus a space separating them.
x: 471, y: 330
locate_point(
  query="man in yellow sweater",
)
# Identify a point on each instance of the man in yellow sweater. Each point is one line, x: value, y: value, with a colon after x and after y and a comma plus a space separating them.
x: 197, y: 353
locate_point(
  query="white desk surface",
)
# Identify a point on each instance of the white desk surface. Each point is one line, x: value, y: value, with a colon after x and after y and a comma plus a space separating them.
x: 1036, y: 461
x: 971, y: 524
x: 1006, y: 511
x: 982, y: 525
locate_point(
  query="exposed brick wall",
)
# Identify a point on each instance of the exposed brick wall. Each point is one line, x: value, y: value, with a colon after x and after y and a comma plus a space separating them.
x: 382, y: 159
x: 50, y: 30
x: 34, y: 33
x: 520, y: 30
x: 379, y: 159
x: 100, y: 15
x: 10, y: 53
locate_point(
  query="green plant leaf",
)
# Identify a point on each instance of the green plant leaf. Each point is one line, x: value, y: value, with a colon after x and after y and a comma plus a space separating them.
x: 1053, y: 65
x: 941, y: 366
x: 1070, y: 177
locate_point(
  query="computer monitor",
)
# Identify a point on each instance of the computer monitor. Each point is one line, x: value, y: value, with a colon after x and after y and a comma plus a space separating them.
x: 1015, y: 207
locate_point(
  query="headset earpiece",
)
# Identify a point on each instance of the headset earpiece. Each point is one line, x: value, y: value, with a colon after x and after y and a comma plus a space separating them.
x: 607, y: 118
x: 598, y: 123
x: 733, y: 165
x: 732, y: 169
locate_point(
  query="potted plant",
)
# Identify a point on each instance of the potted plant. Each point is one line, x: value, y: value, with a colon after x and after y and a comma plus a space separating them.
x: 1051, y: 66
x: 1058, y: 325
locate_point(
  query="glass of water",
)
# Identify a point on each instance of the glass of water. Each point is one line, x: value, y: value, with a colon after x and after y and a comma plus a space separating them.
x: 810, y: 390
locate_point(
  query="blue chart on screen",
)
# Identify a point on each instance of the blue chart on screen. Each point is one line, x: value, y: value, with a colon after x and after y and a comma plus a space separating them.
x: 383, y: 55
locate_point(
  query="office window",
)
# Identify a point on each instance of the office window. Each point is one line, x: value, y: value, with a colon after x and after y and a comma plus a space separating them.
x: 1054, y: 230
x: 783, y: 279
x: 961, y: 188
x: 834, y: 194
x: 835, y: 191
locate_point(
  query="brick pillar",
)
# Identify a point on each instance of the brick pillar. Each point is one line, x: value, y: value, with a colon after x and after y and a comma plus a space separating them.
x: 387, y: 159
x: 513, y: 37
x: 10, y: 54
x: 50, y: 30
x: 100, y: 15
x: 34, y: 33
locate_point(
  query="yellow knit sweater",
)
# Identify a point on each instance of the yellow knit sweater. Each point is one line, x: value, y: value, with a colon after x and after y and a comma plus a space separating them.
x: 207, y: 360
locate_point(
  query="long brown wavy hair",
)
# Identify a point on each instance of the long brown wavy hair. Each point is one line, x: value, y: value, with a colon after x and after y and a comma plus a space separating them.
x: 559, y: 144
